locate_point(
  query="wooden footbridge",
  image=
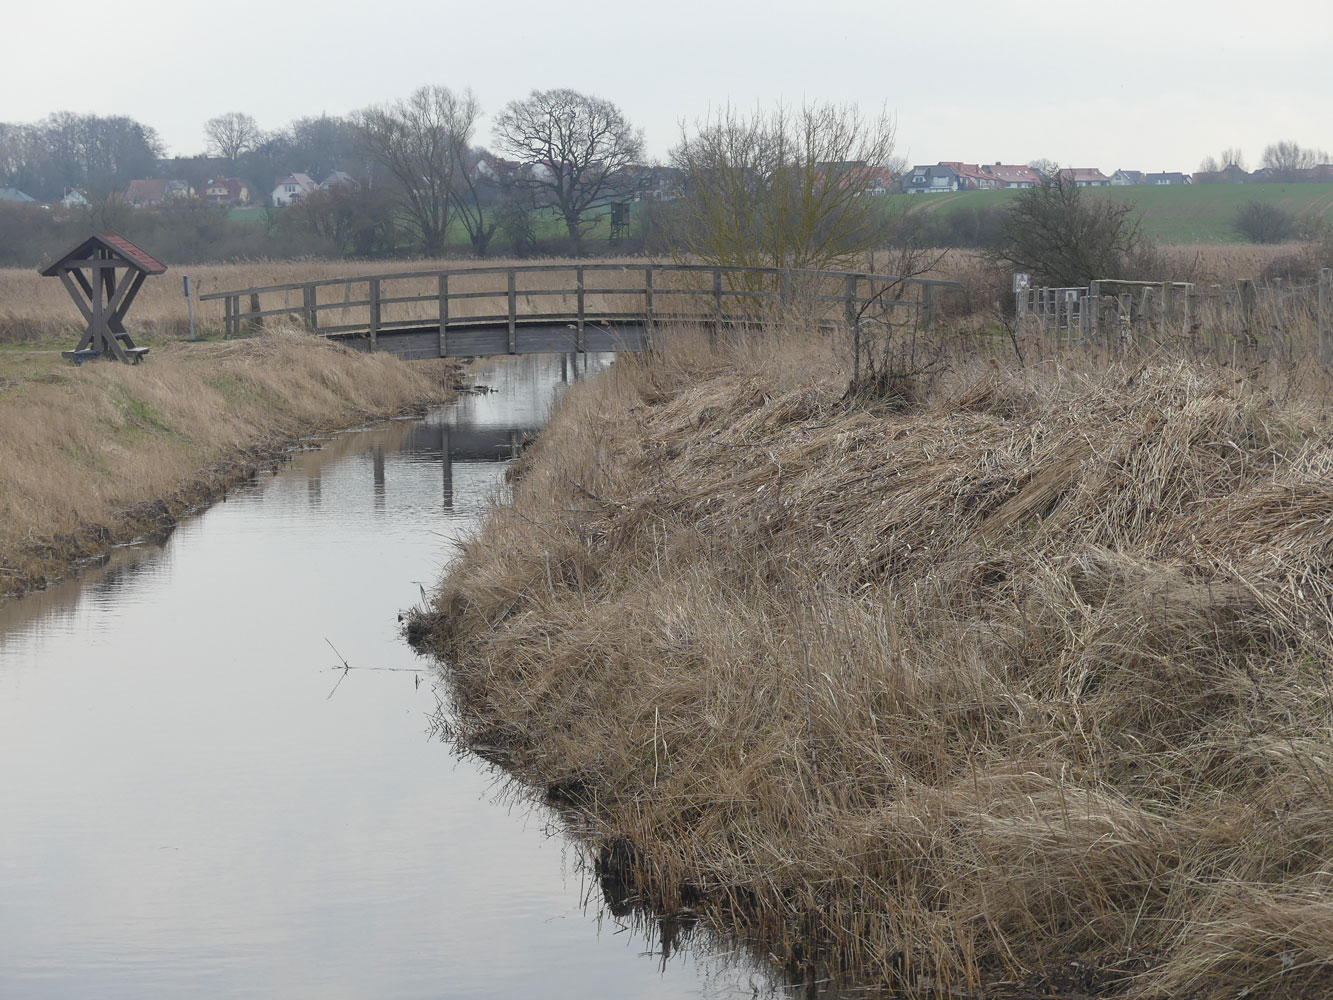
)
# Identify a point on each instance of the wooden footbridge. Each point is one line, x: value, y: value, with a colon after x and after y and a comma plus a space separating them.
x: 565, y: 308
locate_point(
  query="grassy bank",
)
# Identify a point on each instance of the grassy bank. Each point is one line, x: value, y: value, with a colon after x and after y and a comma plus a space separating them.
x: 1027, y: 682
x: 102, y: 453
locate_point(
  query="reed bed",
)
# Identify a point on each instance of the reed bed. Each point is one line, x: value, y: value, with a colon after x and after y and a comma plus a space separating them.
x: 104, y: 452
x: 1025, y: 685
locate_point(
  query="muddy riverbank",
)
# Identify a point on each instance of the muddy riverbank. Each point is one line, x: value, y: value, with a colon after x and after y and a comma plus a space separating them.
x: 1019, y: 679
x: 101, y: 454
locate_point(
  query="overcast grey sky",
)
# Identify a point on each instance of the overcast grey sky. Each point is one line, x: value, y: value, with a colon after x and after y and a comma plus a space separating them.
x: 1136, y: 84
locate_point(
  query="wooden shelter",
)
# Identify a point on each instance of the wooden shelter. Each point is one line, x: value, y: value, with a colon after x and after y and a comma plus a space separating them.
x: 88, y: 271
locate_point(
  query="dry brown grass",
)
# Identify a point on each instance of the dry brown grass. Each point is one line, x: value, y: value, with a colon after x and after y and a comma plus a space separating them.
x: 102, y: 452
x: 1028, y: 683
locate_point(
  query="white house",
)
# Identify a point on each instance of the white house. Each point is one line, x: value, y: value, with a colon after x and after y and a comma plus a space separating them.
x: 292, y: 188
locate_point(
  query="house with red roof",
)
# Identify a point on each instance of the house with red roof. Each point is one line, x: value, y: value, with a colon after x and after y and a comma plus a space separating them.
x: 227, y: 191
x: 1013, y: 175
x: 971, y: 177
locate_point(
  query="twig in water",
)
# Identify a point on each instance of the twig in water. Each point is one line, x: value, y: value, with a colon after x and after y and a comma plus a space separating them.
x: 346, y: 667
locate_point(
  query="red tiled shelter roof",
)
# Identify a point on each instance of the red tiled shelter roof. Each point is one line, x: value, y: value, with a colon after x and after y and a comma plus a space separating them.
x: 116, y: 246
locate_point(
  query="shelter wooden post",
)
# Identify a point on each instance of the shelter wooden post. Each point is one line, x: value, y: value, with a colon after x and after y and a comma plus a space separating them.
x: 88, y: 272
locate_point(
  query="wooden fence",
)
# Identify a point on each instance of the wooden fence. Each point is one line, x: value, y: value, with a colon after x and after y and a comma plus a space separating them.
x: 1281, y: 314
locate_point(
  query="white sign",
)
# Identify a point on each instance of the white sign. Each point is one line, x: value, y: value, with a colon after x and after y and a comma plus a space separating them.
x: 1022, y: 282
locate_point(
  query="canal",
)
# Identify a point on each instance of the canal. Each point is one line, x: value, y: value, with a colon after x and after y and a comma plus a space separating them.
x: 217, y: 770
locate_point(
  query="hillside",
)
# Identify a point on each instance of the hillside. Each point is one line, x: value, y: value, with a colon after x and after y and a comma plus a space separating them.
x: 1195, y: 214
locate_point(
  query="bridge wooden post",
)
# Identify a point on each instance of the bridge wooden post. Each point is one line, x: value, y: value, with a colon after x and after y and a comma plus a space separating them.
x: 374, y: 284
x: 578, y: 330
x: 785, y: 295
x: 444, y: 315
x: 513, y: 308
x: 308, y: 314
x: 226, y: 318
x: 648, y: 304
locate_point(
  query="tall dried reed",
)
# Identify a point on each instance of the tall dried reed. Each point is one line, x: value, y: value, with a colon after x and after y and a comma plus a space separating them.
x: 1027, y: 682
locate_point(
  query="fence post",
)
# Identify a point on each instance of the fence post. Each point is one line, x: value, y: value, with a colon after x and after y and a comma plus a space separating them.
x: 374, y: 314
x: 444, y: 314
x: 1166, y: 305
x: 853, y: 321
x: 648, y: 296
x: 512, y: 289
x: 308, y: 307
x: 256, y: 321
x: 785, y: 296
x: 578, y: 332
x: 227, y: 308
x: 1094, y: 324
x: 1326, y: 313
x: 1248, y: 296
x: 717, y: 302
x: 928, y: 306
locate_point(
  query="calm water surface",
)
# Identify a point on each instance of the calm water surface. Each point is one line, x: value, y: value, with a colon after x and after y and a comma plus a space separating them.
x: 189, y: 809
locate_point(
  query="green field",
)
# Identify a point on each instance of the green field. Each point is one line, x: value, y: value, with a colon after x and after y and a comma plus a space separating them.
x: 1194, y: 214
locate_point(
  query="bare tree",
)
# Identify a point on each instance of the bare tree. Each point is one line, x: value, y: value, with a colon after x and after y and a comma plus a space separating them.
x: 787, y: 188
x: 1047, y: 168
x: 232, y: 134
x: 1065, y: 238
x: 421, y: 143
x: 1287, y: 159
x: 576, y: 147
x: 1233, y: 157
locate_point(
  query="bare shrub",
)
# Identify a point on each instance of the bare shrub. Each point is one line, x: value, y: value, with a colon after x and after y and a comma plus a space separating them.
x: 1263, y: 222
x: 1066, y: 239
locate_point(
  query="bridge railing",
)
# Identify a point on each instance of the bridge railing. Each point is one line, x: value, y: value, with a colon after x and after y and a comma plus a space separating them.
x: 590, y: 293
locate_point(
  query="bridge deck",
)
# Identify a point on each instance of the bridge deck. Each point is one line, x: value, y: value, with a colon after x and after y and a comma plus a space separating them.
x: 466, y: 312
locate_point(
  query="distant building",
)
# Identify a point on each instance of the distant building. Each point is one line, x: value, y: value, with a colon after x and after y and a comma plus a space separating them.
x: 146, y: 193
x: 1084, y: 177
x: 657, y: 183
x: 227, y: 191
x: 1010, y: 175
x: 971, y: 177
x: 150, y: 192
x: 931, y: 179
x: 16, y: 196
x: 1126, y: 178
x: 1172, y: 179
x: 75, y: 198
x: 292, y: 188
x: 338, y: 179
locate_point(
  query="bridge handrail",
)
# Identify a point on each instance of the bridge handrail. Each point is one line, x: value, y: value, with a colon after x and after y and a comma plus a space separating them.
x: 848, y: 284
x: 531, y: 268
